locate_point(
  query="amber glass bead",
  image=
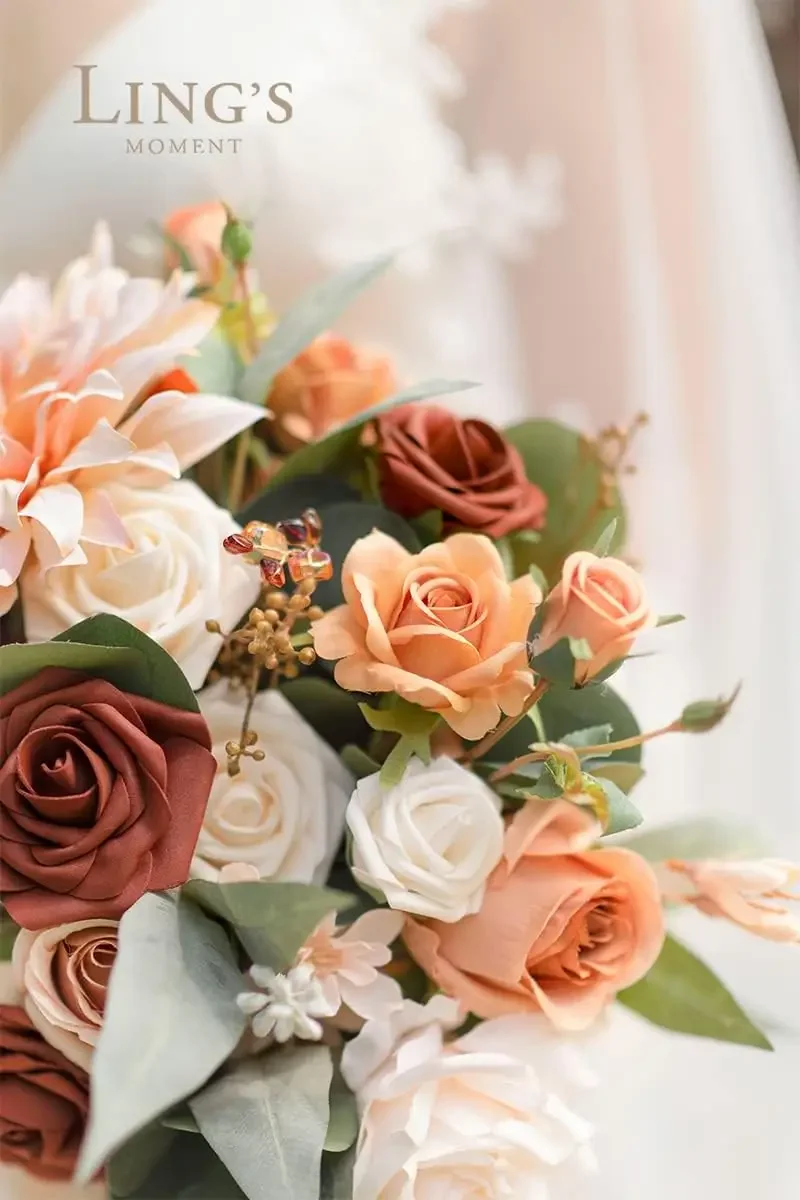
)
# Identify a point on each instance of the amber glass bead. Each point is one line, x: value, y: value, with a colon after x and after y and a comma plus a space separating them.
x: 312, y: 563
x: 237, y: 543
x: 313, y: 524
x: 272, y: 572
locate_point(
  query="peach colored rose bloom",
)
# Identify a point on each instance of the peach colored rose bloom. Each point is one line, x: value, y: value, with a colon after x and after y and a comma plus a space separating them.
x: 198, y: 231
x: 740, y: 892
x: 63, y: 974
x: 331, y: 381
x: 562, y: 928
x: 599, y: 600
x: 444, y: 629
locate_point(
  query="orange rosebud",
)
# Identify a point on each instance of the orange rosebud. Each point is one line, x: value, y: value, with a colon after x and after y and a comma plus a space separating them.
x: 198, y: 231
x: 329, y: 382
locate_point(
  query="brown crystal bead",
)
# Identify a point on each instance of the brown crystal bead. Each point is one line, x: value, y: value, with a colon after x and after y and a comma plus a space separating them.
x: 272, y: 572
x: 313, y: 524
x: 312, y: 563
x: 266, y: 538
x: 294, y: 530
x: 237, y: 543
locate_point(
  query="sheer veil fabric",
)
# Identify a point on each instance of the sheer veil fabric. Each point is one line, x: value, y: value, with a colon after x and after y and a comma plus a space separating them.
x: 671, y: 284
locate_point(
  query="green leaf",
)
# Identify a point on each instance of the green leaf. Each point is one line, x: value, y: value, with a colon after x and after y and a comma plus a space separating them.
x: 671, y: 619
x: 705, y: 715
x: 556, y: 665
x: 568, y: 470
x: 267, y: 1119
x: 189, y: 1171
x: 166, y: 683
x: 603, y: 545
x: 595, y: 735
x: 135, y: 1161
x: 580, y: 649
x: 504, y: 549
x: 682, y: 994
x: 539, y: 578
x: 171, y: 1020
x: 428, y: 526
x: 8, y: 935
x: 343, y: 1123
x: 314, y: 313
x: 215, y: 367
x: 703, y: 838
x: 340, y: 448
x: 624, y: 774
x: 337, y: 1176
x: 359, y: 762
x: 343, y: 525
x: 272, y: 920
x: 125, y: 668
x: 622, y: 812
x: 566, y: 709
x: 289, y: 500
x: 330, y: 710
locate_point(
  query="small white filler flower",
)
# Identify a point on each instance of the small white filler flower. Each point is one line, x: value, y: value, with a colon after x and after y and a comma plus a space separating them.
x: 287, y: 1006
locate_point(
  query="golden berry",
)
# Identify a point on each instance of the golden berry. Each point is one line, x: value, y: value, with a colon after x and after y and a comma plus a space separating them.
x: 307, y: 656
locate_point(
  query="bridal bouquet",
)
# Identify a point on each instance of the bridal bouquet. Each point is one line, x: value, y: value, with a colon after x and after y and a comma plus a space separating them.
x: 316, y: 802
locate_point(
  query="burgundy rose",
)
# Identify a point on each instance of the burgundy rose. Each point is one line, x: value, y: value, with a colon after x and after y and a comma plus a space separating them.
x: 429, y: 458
x: 102, y: 794
x: 44, y: 1100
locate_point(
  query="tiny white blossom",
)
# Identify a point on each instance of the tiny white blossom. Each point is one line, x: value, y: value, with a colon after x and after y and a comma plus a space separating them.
x: 287, y: 1005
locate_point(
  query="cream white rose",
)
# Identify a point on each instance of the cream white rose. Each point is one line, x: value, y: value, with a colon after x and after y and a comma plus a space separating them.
x: 63, y: 975
x: 430, y: 843
x: 478, y: 1116
x: 283, y: 815
x: 175, y: 577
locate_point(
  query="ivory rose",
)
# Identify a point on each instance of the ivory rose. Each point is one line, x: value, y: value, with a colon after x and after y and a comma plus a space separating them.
x: 481, y: 1116
x: 63, y: 974
x: 444, y: 629
x: 175, y: 577
x: 561, y: 930
x: 601, y: 601
x: 741, y: 892
x: 429, y: 843
x: 283, y: 815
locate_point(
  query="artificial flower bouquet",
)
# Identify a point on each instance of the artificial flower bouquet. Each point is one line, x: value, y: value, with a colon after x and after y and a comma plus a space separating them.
x: 317, y: 848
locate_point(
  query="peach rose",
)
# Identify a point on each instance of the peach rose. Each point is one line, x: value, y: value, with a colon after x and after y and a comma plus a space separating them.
x: 562, y: 929
x: 742, y: 892
x: 198, y: 231
x: 329, y: 382
x: 444, y: 629
x: 63, y: 974
x: 599, y: 600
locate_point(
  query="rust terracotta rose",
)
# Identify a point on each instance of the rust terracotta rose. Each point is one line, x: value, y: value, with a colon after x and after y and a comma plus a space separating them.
x: 429, y: 458
x: 44, y: 1101
x: 561, y: 930
x: 102, y: 794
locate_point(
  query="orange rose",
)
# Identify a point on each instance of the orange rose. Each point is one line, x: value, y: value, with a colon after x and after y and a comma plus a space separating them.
x: 329, y: 382
x: 198, y: 231
x: 601, y: 601
x: 561, y: 930
x: 442, y: 628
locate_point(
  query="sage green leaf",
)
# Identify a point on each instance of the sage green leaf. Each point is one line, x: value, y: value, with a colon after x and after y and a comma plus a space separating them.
x: 343, y: 525
x: 568, y: 470
x: 566, y: 709
x: 682, y: 994
x: 189, y: 1171
x: 135, y: 1161
x: 670, y: 619
x: 622, y: 812
x: 125, y: 668
x: 580, y: 649
x: 8, y: 935
x: 607, y: 538
x: 290, y: 498
x: 337, y: 1175
x: 428, y: 526
x: 272, y: 920
x: 624, y: 774
x: 170, y: 1021
x: 216, y: 366
x: 595, y: 735
x: 167, y: 682
x: 343, y: 1121
x: 314, y: 313
x: 703, y: 838
x: 359, y: 762
x: 267, y: 1119
x: 340, y: 449
x: 331, y: 711
x: 557, y: 664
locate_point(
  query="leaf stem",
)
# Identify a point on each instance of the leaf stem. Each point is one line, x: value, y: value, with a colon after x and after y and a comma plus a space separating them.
x: 585, y: 751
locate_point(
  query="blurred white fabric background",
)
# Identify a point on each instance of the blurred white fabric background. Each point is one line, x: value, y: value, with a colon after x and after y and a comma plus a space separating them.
x: 599, y: 206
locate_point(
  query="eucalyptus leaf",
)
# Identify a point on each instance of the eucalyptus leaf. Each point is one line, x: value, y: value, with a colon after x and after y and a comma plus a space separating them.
x: 330, y: 710
x: 189, y: 1171
x: 428, y: 526
x: 167, y: 682
x: 670, y: 619
x: 703, y: 838
x: 682, y: 994
x: 272, y: 920
x: 135, y: 1161
x: 594, y: 735
x: 314, y: 313
x: 267, y: 1119
x: 343, y: 525
x: 622, y: 812
x: 337, y: 1175
x: 171, y: 1020
x: 289, y: 499
x: 566, y: 709
x: 125, y: 668
x: 359, y: 762
x: 606, y: 540
x: 569, y: 471
x: 624, y: 774
x: 556, y: 664
x: 343, y: 1121
x: 215, y: 366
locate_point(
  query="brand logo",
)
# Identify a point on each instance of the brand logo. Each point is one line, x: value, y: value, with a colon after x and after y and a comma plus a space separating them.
x: 179, y: 104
